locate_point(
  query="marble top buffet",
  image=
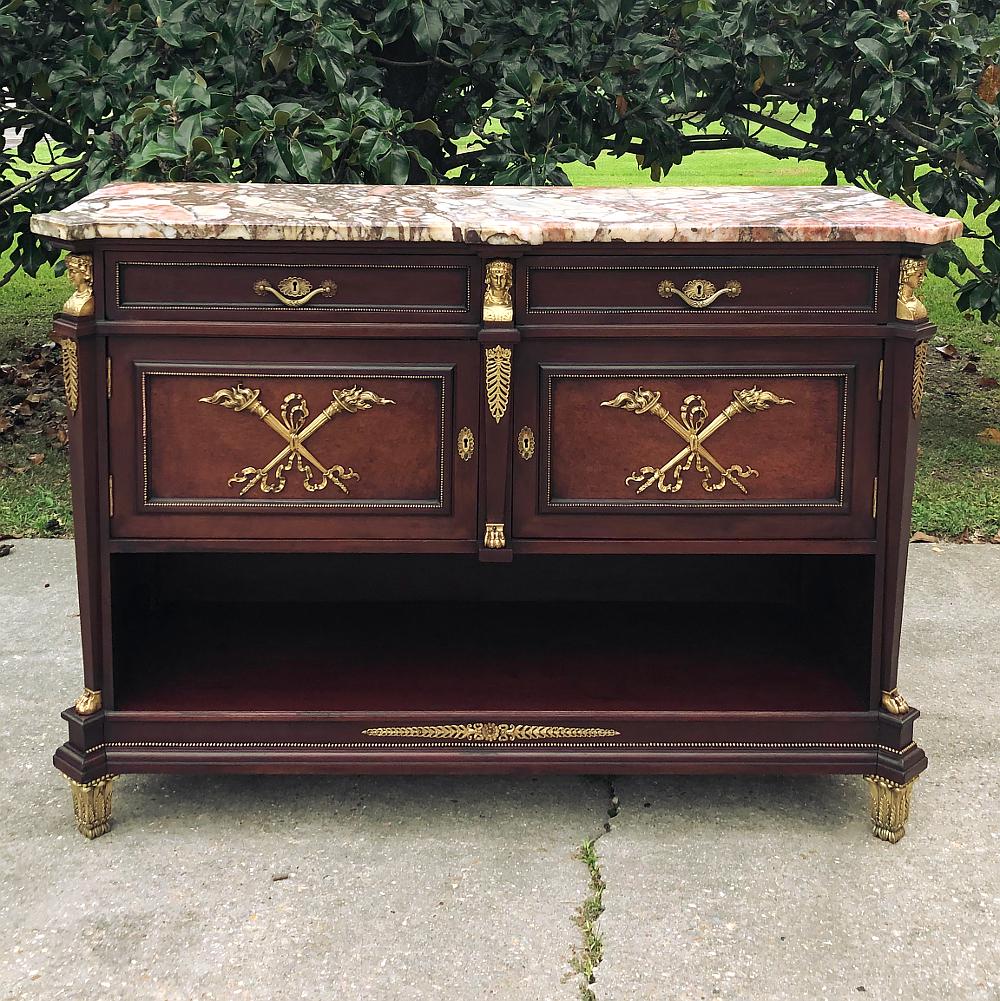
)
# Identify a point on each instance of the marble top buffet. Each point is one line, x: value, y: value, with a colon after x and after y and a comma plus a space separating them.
x: 444, y: 479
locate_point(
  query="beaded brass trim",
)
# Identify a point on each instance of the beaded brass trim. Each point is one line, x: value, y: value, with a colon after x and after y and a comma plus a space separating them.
x: 919, y: 375
x: 71, y: 372
x: 235, y: 503
x: 80, y: 271
x: 490, y: 732
x: 665, y: 373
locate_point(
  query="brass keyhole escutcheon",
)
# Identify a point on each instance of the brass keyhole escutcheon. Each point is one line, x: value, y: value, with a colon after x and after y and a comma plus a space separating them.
x: 699, y: 292
x: 526, y: 442
x: 466, y: 444
x: 295, y: 291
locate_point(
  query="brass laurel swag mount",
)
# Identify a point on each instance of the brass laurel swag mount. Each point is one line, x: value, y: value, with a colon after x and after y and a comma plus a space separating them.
x: 80, y: 271
x: 294, y: 428
x: 497, y: 304
x: 912, y: 271
x: 919, y: 376
x: 71, y: 372
x: 692, y: 429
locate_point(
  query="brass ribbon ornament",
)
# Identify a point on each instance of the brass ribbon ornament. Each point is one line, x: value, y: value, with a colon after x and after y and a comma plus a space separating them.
x: 691, y: 428
x: 292, y: 427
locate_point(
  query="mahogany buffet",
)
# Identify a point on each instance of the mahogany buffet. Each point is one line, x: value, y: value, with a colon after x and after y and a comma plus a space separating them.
x: 445, y: 479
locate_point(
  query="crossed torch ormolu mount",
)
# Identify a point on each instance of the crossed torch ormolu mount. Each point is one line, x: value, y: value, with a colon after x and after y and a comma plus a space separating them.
x: 692, y: 429
x: 292, y: 427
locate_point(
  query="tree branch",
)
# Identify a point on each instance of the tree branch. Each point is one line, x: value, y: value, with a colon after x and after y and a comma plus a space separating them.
x: 11, y: 194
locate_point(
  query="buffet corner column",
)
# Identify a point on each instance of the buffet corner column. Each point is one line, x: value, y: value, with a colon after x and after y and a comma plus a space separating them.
x: 498, y: 337
x: 85, y: 375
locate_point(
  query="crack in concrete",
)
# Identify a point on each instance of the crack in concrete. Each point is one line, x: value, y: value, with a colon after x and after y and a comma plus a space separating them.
x: 585, y: 960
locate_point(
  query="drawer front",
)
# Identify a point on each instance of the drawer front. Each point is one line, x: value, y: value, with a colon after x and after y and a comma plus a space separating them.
x: 770, y: 444
x: 701, y: 289
x: 226, y: 439
x: 260, y: 287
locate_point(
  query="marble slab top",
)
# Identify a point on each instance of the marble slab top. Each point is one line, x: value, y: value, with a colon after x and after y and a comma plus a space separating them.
x: 491, y: 215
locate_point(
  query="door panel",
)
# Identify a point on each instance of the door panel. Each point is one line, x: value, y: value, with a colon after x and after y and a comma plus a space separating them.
x: 676, y: 440
x: 220, y: 438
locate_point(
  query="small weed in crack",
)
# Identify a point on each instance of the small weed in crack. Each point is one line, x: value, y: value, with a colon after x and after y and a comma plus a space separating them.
x: 586, y: 960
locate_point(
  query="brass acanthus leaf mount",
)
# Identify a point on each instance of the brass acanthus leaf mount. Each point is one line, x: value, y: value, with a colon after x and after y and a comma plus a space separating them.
x: 80, y: 271
x: 498, y: 380
x: 92, y: 806
x: 497, y: 304
x: 502, y: 733
x: 912, y: 271
x: 692, y: 429
x: 294, y: 428
x: 889, y: 805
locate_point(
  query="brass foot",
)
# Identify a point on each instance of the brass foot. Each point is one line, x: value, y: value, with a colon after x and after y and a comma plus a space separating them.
x: 889, y: 803
x: 92, y: 806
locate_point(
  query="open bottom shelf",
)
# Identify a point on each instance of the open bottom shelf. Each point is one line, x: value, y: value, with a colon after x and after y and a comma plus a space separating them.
x: 482, y: 657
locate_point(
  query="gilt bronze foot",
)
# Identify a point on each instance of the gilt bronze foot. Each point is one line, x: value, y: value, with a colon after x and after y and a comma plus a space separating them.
x: 92, y: 806
x: 889, y: 803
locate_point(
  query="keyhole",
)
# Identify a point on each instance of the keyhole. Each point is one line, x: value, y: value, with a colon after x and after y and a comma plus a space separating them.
x: 295, y: 287
x: 699, y: 290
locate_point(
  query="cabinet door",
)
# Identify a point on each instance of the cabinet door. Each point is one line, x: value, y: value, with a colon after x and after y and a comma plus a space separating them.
x: 696, y: 439
x: 238, y: 439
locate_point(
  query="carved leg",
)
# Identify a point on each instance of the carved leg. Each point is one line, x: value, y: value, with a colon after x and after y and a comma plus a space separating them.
x: 889, y: 803
x: 92, y: 806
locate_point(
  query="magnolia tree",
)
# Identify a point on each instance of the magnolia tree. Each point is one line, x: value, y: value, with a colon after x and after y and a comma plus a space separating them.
x: 899, y: 97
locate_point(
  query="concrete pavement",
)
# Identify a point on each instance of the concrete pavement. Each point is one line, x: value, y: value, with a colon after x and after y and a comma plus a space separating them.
x: 466, y: 888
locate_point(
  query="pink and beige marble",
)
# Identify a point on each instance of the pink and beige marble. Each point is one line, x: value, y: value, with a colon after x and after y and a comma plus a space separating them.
x: 491, y: 215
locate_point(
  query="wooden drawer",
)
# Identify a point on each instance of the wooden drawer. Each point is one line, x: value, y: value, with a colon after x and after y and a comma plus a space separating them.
x: 702, y: 289
x: 260, y: 286
x: 230, y: 438
x: 683, y: 440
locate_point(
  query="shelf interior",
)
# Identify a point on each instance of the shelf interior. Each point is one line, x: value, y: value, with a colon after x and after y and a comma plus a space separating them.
x: 333, y: 633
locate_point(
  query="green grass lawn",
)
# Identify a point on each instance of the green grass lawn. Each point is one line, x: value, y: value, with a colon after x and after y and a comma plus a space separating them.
x: 958, y: 475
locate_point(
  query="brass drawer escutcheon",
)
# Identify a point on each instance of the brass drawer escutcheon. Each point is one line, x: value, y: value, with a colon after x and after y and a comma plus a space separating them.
x: 294, y: 291
x: 699, y: 292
